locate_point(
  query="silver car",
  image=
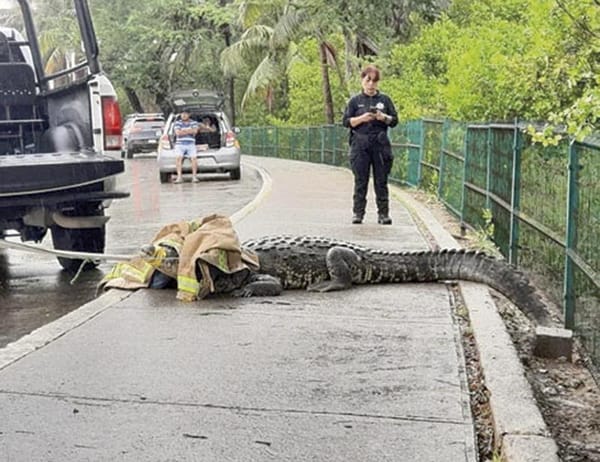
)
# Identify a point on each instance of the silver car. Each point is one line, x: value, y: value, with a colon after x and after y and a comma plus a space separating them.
x: 218, y: 151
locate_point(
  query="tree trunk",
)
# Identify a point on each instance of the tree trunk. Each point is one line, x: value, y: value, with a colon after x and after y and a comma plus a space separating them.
x: 230, y: 83
x: 327, y: 99
x: 350, y: 53
x: 134, y: 100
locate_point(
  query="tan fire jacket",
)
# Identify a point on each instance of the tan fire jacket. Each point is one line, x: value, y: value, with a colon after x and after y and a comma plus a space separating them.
x: 210, y: 240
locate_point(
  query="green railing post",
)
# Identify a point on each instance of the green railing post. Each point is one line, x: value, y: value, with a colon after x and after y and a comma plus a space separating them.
x: 292, y: 143
x: 464, y: 179
x: 488, y: 168
x: 442, y: 164
x: 322, y: 130
x: 571, y: 238
x: 276, y: 147
x: 421, y: 153
x: 515, y: 202
x: 252, y: 151
x: 334, y: 145
x: 308, y: 140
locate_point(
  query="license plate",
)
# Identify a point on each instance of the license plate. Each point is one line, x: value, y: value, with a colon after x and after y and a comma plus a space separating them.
x: 206, y: 161
x: 152, y: 141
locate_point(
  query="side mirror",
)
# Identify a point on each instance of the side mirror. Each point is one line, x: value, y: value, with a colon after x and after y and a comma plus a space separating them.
x: 236, y: 130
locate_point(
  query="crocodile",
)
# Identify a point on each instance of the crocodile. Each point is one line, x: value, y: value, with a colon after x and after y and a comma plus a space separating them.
x: 322, y: 264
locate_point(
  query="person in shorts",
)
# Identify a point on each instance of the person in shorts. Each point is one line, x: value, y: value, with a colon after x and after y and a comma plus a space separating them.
x: 185, y: 145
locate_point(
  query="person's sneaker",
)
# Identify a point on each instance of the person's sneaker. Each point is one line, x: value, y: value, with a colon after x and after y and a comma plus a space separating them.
x: 195, y: 179
x: 178, y: 180
x: 384, y: 220
x: 357, y: 219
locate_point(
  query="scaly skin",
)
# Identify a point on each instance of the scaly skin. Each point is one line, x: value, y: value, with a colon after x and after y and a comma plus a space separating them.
x: 322, y: 264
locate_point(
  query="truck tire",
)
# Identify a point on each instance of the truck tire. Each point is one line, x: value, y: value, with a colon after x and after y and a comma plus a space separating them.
x: 79, y: 240
x: 129, y: 153
x: 164, y: 177
x: 235, y: 174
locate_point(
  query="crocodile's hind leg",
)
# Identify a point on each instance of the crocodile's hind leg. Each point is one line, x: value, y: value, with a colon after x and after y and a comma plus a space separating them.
x: 339, y: 265
x: 260, y: 285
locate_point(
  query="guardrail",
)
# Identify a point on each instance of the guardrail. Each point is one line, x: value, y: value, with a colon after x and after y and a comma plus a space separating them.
x: 544, y: 202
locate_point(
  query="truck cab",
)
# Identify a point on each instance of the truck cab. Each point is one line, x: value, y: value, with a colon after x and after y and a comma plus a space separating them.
x: 60, y: 138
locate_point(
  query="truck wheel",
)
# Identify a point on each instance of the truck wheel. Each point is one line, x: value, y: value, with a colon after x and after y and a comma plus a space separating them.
x: 235, y: 174
x: 129, y: 153
x: 164, y: 177
x: 79, y: 240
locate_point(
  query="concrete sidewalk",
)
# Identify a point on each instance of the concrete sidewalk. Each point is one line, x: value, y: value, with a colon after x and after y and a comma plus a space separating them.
x: 370, y: 374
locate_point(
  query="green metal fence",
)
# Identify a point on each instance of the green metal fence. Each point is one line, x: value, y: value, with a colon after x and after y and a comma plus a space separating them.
x: 545, y: 201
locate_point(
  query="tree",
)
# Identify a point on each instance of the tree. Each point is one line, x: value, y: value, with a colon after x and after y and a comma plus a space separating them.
x: 265, y: 48
x: 162, y: 45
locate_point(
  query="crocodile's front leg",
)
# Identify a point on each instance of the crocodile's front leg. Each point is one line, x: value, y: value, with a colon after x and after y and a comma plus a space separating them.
x: 260, y: 285
x: 340, y: 261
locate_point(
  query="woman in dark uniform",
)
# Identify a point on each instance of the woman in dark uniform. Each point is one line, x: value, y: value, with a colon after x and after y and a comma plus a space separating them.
x: 368, y: 116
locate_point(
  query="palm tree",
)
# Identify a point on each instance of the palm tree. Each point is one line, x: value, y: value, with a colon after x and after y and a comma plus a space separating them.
x: 266, y: 46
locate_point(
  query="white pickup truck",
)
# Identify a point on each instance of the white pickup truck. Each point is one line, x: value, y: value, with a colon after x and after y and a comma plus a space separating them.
x: 60, y: 138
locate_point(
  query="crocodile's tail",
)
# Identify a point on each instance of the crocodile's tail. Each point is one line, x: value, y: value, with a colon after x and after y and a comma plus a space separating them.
x: 476, y: 266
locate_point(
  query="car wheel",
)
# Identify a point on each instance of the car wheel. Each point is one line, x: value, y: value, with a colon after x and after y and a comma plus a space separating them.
x: 129, y: 153
x: 79, y: 240
x: 235, y: 174
x: 164, y: 177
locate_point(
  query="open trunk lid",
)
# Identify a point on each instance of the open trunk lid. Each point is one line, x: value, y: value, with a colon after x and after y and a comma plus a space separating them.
x: 196, y: 100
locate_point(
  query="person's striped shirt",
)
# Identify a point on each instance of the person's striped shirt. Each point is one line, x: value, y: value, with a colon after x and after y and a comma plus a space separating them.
x: 189, y: 138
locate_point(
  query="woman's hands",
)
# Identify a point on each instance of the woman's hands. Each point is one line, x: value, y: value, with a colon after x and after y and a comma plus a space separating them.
x: 369, y: 117
x: 361, y: 119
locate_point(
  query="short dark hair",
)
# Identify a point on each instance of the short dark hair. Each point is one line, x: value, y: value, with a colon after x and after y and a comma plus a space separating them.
x: 372, y: 71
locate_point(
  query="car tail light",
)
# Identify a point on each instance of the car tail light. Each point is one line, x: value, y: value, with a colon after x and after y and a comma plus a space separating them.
x: 230, y: 140
x: 164, y: 142
x: 111, y: 118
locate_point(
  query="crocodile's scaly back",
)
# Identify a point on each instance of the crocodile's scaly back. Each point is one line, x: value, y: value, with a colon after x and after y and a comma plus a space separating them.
x: 304, y: 262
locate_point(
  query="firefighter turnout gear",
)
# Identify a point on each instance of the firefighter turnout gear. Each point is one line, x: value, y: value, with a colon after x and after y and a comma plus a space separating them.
x: 185, y: 251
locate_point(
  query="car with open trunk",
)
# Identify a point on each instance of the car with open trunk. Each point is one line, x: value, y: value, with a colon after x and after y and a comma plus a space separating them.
x: 217, y: 151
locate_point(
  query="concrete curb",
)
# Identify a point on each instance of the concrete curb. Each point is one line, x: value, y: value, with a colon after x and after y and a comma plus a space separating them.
x: 265, y: 190
x: 520, y: 431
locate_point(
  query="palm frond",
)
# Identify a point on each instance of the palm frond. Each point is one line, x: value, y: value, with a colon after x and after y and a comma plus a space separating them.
x: 287, y: 28
x: 252, y: 42
x: 260, y: 78
x: 251, y: 12
x: 258, y: 32
x: 292, y: 56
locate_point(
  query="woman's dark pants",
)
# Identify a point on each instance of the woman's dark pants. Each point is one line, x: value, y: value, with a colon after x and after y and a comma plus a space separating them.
x: 366, y: 153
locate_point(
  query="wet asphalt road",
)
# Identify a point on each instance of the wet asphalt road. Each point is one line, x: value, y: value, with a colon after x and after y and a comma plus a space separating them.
x: 34, y: 290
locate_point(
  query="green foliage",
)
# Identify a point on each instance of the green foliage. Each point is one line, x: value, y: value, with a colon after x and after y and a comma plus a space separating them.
x: 483, y: 237
x: 157, y: 46
x: 476, y: 60
x: 414, y: 74
x: 305, y: 88
x: 501, y: 59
